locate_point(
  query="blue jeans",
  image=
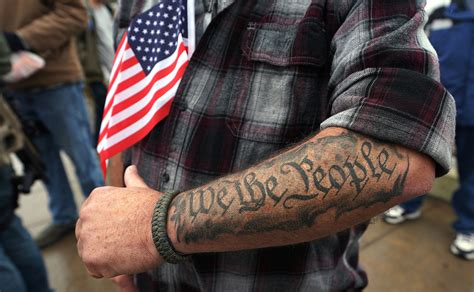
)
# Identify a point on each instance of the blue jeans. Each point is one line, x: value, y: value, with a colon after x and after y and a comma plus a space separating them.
x: 62, y: 119
x: 21, y: 265
x: 463, y: 198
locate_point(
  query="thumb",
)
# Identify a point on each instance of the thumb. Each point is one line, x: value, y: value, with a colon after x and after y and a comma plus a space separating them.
x: 133, y: 179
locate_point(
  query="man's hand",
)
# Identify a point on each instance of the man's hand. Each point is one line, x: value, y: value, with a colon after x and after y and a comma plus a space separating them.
x: 24, y: 64
x: 114, y: 229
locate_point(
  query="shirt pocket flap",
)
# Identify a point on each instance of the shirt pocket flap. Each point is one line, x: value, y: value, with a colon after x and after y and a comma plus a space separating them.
x: 304, y: 43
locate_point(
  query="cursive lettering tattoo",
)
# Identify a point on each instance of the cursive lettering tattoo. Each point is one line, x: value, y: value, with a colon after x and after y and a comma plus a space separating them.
x: 290, y: 191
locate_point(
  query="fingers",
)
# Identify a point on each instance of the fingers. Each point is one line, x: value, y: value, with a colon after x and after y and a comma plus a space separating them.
x: 88, y: 266
x: 78, y: 228
x: 133, y: 179
x: 80, y: 249
x: 93, y: 275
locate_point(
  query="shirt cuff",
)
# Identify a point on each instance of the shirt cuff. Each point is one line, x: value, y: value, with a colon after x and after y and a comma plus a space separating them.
x: 398, y: 106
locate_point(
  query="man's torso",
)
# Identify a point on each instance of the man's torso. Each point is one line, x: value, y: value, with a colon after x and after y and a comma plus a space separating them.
x: 254, y: 86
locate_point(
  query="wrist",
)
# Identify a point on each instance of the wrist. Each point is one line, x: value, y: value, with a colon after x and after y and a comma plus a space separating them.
x: 160, y: 233
x: 15, y: 42
x: 171, y: 229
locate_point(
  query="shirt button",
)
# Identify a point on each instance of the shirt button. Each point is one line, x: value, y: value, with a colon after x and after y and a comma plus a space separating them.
x: 166, y: 177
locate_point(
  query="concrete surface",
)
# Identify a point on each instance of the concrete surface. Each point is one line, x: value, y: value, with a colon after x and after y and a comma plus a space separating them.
x: 410, y: 257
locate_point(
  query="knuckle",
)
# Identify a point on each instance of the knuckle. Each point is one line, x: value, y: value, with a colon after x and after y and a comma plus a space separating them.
x: 79, y: 248
x: 83, y: 213
x: 100, y: 192
x: 95, y: 192
x: 90, y: 261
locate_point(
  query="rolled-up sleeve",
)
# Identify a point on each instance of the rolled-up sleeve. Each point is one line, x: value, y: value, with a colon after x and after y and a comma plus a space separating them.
x: 385, y: 79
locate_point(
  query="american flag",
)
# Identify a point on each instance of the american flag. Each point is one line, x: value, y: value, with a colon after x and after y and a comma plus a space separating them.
x: 148, y: 67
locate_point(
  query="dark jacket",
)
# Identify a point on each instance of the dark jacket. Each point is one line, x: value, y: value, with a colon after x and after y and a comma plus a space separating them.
x: 452, y: 35
x: 4, y: 57
x: 8, y: 198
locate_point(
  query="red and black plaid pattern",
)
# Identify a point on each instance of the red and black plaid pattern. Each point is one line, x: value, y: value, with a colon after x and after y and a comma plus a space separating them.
x: 268, y: 73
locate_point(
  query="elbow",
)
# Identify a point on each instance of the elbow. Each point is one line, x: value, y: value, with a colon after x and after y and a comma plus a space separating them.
x: 421, y: 176
x: 423, y: 186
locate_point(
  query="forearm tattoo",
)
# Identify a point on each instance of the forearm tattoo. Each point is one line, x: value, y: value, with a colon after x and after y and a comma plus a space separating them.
x: 288, y: 192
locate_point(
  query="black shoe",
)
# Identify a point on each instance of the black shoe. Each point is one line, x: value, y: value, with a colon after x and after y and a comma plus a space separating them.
x: 53, y: 233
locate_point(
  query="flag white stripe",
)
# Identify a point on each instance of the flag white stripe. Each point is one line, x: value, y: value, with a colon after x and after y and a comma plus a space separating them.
x: 126, y: 132
x: 136, y: 107
x: 160, y: 102
x: 125, y: 75
x: 137, y: 87
x: 191, y: 27
x: 134, y: 89
x: 118, y: 59
x: 110, y: 120
x: 110, y: 94
x: 126, y: 56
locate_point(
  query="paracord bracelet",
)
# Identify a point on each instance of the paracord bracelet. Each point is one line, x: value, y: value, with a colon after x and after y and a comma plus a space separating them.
x: 158, y: 230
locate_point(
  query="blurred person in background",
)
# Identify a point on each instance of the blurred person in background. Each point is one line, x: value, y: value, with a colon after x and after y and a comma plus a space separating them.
x: 21, y: 265
x: 53, y: 99
x: 96, y: 52
x: 451, y: 31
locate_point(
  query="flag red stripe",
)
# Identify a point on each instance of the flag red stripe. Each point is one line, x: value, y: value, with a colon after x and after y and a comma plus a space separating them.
x: 135, y: 137
x: 149, y: 106
x: 109, y: 104
x: 124, y: 66
x: 122, y: 42
x: 116, y: 73
x: 117, y: 108
x: 129, y: 63
x: 122, y: 86
x: 137, y: 77
x: 136, y: 97
x: 103, y: 133
x: 125, y: 85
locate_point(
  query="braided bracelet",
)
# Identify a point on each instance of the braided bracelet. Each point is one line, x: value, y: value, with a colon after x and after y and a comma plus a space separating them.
x: 158, y: 230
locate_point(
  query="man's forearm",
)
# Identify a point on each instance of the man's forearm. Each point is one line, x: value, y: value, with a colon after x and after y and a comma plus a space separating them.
x: 329, y: 183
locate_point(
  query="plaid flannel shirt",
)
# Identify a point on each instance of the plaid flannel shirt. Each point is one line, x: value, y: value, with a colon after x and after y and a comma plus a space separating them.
x: 268, y: 73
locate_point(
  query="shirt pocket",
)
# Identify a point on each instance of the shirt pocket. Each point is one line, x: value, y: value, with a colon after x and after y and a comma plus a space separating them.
x: 278, y: 44
x: 276, y: 97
